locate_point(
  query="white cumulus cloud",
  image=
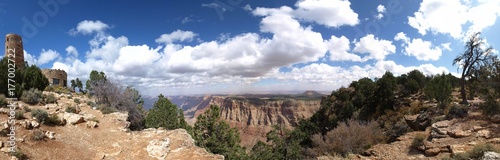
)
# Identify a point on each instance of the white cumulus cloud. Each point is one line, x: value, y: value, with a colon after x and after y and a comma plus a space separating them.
x: 376, y: 48
x: 176, y: 36
x: 88, y: 27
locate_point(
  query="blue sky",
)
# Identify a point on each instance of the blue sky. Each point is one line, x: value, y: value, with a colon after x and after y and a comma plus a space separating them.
x: 240, y: 46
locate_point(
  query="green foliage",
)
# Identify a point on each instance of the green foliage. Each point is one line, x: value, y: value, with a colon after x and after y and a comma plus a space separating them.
x: 33, y: 96
x: 412, y: 86
x: 38, y: 135
x: 71, y: 109
x: 418, y: 77
x: 217, y: 136
x: 50, y: 98
x: 76, y: 100
x: 40, y: 115
x: 165, y: 114
x: 491, y: 106
x: 19, y: 114
x: 418, y: 140
x: 26, y: 109
x: 19, y: 154
x: 476, y: 153
x: 3, y: 101
x: 439, y: 88
x: 33, y: 78
x: 456, y: 111
x: 94, y: 77
x: 49, y: 88
x: 53, y: 120
x: 106, y: 109
x: 383, y: 97
x: 4, y: 78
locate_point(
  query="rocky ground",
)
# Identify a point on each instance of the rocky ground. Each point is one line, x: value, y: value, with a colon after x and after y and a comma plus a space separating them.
x: 94, y: 136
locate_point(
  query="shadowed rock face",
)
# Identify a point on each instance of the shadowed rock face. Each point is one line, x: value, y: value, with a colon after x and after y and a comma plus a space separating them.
x: 254, y: 117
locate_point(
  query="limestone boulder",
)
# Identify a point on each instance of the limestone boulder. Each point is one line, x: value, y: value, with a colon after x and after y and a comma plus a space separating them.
x: 440, y: 129
x: 418, y: 122
x: 490, y: 156
x: 158, y: 149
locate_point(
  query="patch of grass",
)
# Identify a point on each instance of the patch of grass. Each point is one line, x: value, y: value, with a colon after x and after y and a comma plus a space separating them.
x: 40, y: 115
x: 38, y: 135
x: 418, y: 141
x: 19, y: 114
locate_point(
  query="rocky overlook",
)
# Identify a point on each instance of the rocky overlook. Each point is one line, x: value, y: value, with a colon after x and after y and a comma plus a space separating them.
x: 89, y: 134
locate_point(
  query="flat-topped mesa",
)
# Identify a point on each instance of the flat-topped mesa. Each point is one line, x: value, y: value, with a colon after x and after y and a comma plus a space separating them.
x: 14, y: 46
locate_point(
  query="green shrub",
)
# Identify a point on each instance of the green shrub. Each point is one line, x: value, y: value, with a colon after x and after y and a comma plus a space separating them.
x: 38, y: 135
x: 3, y: 100
x: 76, y: 100
x: 106, y: 109
x: 50, y: 98
x: 491, y: 106
x: 479, y: 149
x: 49, y: 89
x: 90, y: 103
x: 476, y: 153
x: 53, y: 120
x: 4, y: 132
x: 32, y: 96
x: 19, y: 114
x: 19, y: 154
x: 456, y: 111
x: 95, y: 119
x: 26, y: 109
x: 418, y: 141
x: 71, y: 109
x: 40, y: 115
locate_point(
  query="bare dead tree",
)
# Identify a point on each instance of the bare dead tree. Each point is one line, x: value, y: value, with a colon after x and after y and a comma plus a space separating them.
x: 471, y: 60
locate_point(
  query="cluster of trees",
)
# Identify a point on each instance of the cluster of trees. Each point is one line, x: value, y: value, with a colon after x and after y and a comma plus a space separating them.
x: 25, y: 78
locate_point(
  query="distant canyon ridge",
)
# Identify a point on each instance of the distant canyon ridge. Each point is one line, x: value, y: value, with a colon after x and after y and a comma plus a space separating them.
x: 252, y: 114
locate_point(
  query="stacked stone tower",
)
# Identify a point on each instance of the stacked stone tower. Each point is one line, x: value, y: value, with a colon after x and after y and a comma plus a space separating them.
x: 14, y: 45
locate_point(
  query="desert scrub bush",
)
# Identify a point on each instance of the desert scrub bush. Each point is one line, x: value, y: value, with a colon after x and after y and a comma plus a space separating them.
x: 37, y: 135
x: 69, y: 96
x: 71, y: 109
x: 19, y: 154
x: 90, y: 103
x: 491, y: 106
x: 53, y: 120
x: 349, y: 137
x: 32, y: 96
x: 76, y: 100
x: 19, y: 114
x: 50, y: 98
x: 40, y: 115
x: 456, y: 111
x: 95, y: 119
x: 106, y: 109
x: 475, y: 153
x: 3, y: 100
x: 418, y: 141
x: 49, y: 89
x: 479, y: 149
x: 26, y: 109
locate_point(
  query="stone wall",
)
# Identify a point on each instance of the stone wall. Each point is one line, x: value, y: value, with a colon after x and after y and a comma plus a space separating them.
x: 56, y: 77
x: 14, y: 45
